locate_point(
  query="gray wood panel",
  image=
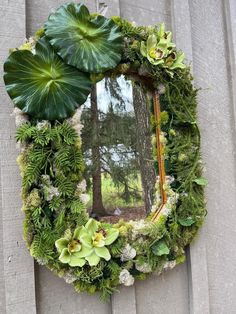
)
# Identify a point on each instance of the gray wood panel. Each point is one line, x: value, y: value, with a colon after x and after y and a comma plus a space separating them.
x: 206, y: 283
x: 17, y: 266
x: 211, y: 68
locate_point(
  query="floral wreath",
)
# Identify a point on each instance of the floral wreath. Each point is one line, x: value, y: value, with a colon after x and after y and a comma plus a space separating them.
x: 48, y: 78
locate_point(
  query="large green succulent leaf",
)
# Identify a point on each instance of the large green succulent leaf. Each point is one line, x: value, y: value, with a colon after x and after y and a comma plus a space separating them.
x: 42, y: 85
x: 92, y: 44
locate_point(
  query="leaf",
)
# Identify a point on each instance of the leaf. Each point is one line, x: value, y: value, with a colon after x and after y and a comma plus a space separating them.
x: 186, y: 222
x: 201, y: 181
x: 160, y: 248
x: 42, y: 85
x: 92, y: 44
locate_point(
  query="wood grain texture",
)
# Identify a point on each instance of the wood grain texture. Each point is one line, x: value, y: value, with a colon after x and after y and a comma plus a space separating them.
x: 197, y: 255
x: 17, y: 271
x: 211, y: 70
x: 205, y: 30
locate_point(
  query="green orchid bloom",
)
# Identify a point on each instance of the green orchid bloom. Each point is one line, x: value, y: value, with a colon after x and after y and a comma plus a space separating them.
x: 174, y: 61
x: 71, y: 250
x: 158, y: 46
x: 95, y: 237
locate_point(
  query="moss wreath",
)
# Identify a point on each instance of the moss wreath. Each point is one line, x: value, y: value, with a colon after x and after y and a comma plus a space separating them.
x: 48, y: 78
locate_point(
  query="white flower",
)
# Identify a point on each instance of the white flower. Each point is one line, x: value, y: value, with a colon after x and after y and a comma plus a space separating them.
x: 43, y: 124
x: 127, y: 253
x: 126, y: 278
x: 51, y: 192
x: 84, y: 198
x: 138, y: 226
x: 69, y: 278
x: 144, y: 268
x: 20, y: 117
x: 81, y: 187
x: 169, y: 179
x: 166, y: 210
x: 169, y: 265
x: 75, y: 121
x: 161, y: 89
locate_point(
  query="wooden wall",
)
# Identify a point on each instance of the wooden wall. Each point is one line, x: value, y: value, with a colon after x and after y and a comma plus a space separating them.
x: 206, y: 283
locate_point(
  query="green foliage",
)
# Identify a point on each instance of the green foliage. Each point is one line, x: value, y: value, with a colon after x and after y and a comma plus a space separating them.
x: 52, y: 167
x: 42, y: 85
x: 84, y: 41
x: 160, y: 248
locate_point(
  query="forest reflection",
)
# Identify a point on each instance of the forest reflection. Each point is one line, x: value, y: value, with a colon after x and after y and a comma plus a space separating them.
x: 116, y: 143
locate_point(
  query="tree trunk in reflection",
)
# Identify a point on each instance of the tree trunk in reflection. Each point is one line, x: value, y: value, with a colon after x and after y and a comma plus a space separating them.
x: 144, y: 145
x: 97, y: 206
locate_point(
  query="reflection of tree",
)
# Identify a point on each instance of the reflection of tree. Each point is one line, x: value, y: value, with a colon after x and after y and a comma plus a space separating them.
x: 142, y: 114
x: 98, y: 207
x: 110, y: 141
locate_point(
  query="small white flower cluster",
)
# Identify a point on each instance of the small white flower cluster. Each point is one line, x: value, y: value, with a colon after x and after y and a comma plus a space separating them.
x: 80, y: 191
x: 43, y: 124
x: 137, y: 227
x: 69, y: 278
x: 81, y: 187
x: 128, y: 253
x: 75, y: 121
x: 50, y: 191
x: 169, y: 265
x: 143, y: 268
x: 20, y: 117
x: 126, y: 278
x: 161, y: 89
x: 172, y: 197
x: 84, y: 198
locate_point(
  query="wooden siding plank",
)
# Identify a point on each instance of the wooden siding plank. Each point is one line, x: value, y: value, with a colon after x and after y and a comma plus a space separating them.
x: 196, y: 259
x: 211, y: 71
x: 18, y: 268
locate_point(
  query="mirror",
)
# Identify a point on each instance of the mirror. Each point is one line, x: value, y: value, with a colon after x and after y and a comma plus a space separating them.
x: 116, y: 144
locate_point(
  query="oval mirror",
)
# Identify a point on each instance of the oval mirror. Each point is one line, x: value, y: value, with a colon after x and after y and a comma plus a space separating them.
x: 117, y: 147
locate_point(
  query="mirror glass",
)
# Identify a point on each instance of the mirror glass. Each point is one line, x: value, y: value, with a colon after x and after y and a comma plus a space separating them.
x: 116, y: 144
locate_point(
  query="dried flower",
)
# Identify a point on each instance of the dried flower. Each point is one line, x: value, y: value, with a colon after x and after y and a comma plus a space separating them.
x: 128, y: 253
x: 143, y: 268
x: 20, y: 117
x: 84, y: 198
x: 126, y: 278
